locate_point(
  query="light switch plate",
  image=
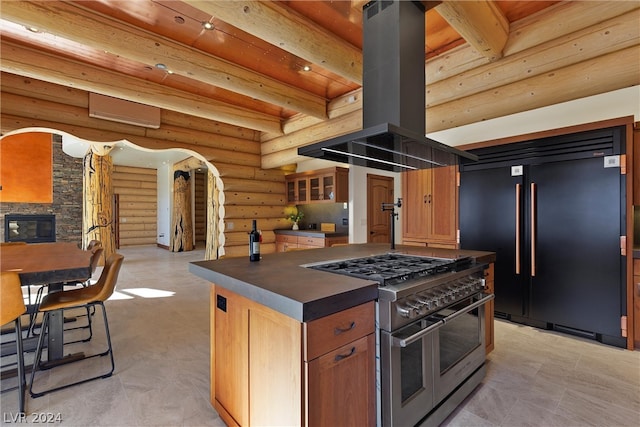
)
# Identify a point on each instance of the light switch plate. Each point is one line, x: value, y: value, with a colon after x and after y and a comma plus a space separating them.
x: 516, y: 170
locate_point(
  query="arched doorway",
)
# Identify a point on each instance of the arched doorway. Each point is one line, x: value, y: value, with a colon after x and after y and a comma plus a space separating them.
x: 127, y: 155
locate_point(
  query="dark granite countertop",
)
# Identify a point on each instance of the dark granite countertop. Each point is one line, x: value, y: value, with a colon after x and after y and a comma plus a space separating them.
x: 312, y: 233
x: 279, y: 281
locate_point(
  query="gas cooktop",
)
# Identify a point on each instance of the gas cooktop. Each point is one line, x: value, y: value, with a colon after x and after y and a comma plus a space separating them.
x: 391, y: 268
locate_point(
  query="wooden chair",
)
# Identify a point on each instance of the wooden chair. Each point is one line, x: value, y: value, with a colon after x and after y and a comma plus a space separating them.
x: 11, y: 308
x: 95, y: 246
x: 89, y: 296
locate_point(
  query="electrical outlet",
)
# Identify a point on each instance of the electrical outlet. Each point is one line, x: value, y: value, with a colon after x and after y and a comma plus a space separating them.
x: 230, y: 226
x: 345, y: 221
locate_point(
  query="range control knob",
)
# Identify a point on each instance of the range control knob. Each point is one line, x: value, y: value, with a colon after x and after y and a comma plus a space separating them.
x: 406, y: 311
x: 426, y: 300
x: 418, y: 306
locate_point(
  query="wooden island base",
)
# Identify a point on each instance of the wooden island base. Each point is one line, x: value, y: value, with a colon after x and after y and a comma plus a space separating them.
x: 270, y: 369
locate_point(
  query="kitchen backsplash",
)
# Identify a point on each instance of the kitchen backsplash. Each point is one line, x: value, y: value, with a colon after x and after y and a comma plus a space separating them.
x: 330, y: 212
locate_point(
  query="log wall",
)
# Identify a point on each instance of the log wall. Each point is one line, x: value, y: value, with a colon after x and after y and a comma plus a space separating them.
x: 235, y: 152
x: 200, y: 208
x: 138, y: 191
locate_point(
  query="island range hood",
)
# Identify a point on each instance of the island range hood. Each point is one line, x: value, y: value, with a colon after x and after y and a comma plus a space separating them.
x: 393, y: 97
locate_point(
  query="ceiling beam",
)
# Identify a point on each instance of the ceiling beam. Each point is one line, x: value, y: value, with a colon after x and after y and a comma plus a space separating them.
x: 603, y: 38
x: 20, y: 60
x: 288, y: 30
x: 100, y: 32
x: 481, y: 23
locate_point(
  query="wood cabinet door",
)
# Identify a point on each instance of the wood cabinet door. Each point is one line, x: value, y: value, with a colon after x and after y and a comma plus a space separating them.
x: 414, y: 208
x: 442, y: 201
x: 302, y: 190
x: 231, y: 366
x: 292, y: 193
x: 341, y: 389
x: 275, y: 396
x: 430, y: 205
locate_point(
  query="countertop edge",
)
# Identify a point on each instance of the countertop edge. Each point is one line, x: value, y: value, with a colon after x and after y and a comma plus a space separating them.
x: 255, y: 293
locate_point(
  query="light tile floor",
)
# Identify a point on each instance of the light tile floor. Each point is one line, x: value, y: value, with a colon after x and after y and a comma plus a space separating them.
x: 159, y: 322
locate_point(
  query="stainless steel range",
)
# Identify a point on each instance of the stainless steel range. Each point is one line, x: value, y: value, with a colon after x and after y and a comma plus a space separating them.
x: 430, y: 332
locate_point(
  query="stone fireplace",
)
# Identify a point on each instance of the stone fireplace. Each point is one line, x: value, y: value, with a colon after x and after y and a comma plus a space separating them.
x: 29, y: 228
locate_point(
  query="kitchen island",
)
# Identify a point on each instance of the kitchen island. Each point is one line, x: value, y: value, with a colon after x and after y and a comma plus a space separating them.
x: 292, y: 345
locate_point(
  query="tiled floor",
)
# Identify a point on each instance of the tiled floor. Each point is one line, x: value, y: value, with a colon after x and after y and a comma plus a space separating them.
x: 159, y: 323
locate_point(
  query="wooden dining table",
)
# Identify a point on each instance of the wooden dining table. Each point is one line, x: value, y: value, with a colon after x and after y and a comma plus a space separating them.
x: 51, y: 264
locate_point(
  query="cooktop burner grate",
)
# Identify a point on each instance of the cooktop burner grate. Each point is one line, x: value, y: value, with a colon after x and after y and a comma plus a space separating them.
x: 390, y: 269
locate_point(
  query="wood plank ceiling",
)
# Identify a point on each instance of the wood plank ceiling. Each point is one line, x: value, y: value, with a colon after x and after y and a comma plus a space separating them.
x: 292, y: 69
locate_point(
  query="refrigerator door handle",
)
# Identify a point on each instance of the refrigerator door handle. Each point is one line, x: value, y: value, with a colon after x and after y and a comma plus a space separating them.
x: 518, y: 191
x: 533, y: 229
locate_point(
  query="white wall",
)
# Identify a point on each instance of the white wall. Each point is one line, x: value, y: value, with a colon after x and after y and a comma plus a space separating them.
x: 165, y: 199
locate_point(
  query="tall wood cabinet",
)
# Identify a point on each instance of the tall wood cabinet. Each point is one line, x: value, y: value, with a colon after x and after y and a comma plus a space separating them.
x: 269, y: 369
x: 430, y: 207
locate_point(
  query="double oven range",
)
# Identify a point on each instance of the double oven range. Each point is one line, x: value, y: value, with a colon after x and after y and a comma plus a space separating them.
x: 430, y: 340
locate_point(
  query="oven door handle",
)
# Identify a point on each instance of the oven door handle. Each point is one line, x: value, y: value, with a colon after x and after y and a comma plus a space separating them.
x: 403, y: 342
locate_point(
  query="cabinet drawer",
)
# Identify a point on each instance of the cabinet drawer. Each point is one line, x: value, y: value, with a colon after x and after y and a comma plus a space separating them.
x: 311, y: 241
x: 330, y: 332
x: 330, y: 241
x: 286, y: 238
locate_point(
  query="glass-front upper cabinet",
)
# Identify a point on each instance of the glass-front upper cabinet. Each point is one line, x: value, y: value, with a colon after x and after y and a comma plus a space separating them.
x: 329, y: 185
x: 298, y: 190
x: 328, y: 190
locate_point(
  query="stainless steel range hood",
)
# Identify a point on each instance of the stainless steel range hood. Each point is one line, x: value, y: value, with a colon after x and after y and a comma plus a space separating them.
x: 393, y: 97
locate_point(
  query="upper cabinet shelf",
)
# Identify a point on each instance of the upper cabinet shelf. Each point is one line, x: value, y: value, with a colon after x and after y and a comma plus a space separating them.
x: 330, y: 185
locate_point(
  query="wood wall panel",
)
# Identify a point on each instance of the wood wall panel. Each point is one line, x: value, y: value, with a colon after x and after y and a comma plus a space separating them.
x: 138, y: 205
x: 200, y: 208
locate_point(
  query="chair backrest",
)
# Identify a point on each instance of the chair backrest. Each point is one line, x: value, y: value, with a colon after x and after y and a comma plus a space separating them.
x: 96, y: 253
x: 94, y: 244
x: 11, y: 301
x: 106, y: 284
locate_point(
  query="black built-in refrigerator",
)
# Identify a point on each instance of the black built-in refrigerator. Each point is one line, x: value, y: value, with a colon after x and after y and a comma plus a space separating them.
x: 553, y: 211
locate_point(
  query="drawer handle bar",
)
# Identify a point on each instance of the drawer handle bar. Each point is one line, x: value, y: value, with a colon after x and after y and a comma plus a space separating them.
x: 338, y: 331
x: 339, y: 357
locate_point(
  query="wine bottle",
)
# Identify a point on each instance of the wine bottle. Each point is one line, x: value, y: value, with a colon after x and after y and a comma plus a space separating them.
x: 254, y: 243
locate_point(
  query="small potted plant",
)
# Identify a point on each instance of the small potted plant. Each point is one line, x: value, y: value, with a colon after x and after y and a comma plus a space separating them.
x: 295, y: 216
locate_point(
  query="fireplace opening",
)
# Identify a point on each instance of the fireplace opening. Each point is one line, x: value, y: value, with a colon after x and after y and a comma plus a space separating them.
x: 29, y: 228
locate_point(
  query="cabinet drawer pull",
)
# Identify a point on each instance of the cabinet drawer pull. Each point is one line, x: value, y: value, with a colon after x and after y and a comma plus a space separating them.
x: 338, y: 331
x: 339, y: 357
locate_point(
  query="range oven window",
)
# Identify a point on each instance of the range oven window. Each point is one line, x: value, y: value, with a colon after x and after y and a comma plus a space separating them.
x: 411, y: 365
x: 459, y: 336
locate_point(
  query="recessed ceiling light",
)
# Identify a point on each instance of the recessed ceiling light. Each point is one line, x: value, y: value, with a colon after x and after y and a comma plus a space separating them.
x: 161, y: 66
x: 207, y: 25
x: 33, y: 29
x: 178, y: 19
x: 306, y: 68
